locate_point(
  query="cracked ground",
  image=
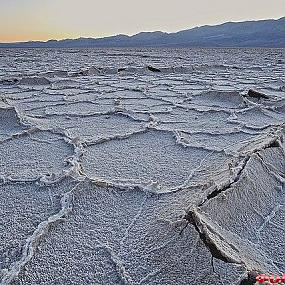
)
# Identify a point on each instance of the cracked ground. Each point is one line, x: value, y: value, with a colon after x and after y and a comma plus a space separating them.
x: 141, y: 166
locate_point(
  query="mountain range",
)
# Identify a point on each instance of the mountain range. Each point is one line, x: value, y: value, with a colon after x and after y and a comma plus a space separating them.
x: 262, y: 33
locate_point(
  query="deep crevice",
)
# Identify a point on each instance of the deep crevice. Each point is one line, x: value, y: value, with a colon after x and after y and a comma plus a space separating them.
x: 210, y: 245
x: 191, y: 218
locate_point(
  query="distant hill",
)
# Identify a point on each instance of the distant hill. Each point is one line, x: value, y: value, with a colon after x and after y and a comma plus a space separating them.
x: 263, y: 33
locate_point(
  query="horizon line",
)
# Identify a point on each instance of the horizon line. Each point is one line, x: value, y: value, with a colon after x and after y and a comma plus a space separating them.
x: 131, y: 35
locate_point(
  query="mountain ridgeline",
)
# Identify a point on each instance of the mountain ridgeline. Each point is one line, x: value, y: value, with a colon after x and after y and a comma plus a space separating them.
x: 263, y: 33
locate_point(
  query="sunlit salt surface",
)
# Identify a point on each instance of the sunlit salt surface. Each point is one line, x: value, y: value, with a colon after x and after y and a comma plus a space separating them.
x: 141, y: 166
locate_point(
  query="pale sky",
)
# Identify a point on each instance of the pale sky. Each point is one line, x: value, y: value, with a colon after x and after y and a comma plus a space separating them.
x: 22, y: 20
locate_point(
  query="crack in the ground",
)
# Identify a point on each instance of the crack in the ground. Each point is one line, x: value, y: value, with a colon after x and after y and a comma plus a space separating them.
x: 33, y: 241
x: 217, y: 192
x: 192, y: 218
x: 273, y: 144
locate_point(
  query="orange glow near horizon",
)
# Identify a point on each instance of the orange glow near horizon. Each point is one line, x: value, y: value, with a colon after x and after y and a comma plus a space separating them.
x: 58, y: 19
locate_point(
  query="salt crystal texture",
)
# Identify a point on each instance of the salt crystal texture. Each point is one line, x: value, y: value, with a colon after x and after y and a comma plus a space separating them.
x: 141, y: 166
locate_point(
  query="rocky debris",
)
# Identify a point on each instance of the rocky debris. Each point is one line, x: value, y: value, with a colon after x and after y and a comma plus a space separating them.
x: 250, y: 279
x: 153, y: 69
x: 10, y: 81
x: 255, y: 94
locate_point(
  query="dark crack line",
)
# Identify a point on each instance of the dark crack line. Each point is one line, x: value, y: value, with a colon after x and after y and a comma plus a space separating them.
x: 218, y: 191
x: 275, y: 143
x: 192, y: 219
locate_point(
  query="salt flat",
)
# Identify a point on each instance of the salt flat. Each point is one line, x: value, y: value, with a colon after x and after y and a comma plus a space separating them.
x: 141, y: 166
